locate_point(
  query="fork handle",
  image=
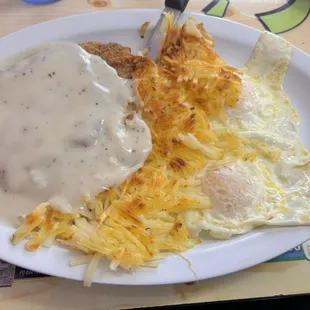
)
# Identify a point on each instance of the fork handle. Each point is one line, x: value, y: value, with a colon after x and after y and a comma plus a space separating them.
x: 177, y: 4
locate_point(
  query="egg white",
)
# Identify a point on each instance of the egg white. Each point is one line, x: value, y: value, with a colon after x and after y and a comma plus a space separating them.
x: 246, y: 194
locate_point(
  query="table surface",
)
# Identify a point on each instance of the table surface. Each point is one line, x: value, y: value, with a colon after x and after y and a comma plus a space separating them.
x: 263, y: 280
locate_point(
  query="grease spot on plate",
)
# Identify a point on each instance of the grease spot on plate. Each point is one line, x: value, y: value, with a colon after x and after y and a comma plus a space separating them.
x: 99, y: 3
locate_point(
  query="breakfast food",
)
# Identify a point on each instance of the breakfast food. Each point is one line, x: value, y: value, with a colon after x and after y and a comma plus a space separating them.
x: 269, y: 183
x: 206, y: 158
x: 51, y: 154
x: 116, y: 55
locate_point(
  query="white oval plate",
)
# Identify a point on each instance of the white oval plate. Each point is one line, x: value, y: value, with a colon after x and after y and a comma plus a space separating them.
x: 234, y: 42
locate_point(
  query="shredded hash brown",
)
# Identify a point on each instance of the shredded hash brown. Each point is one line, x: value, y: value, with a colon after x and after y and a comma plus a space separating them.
x: 136, y: 223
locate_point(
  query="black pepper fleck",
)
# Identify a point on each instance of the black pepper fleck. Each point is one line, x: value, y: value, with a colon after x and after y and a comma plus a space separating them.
x: 24, y: 73
x: 82, y: 160
x: 106, y: 148
x: 96, y: 103
x: 50, y: 75
x: 54, y: 160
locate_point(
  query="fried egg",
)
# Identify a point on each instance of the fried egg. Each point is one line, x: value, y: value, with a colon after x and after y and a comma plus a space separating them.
x: 271, y: 187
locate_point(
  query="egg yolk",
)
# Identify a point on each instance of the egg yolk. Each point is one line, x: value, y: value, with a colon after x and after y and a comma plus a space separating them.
x: 233, y: 189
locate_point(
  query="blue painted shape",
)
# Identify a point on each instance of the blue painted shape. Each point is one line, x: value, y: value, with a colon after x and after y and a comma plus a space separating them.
x: 40, y: 1
x: 294, y: 254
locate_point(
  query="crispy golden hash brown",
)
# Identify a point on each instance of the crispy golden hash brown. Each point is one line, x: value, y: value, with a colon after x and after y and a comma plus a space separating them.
x: 134, y: 224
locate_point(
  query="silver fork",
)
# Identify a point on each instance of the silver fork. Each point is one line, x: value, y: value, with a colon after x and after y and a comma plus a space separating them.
x: 171, y: 6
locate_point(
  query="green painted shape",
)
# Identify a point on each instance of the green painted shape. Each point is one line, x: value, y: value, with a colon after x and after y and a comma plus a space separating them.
x: 219, y: 9
x: 288, y: 18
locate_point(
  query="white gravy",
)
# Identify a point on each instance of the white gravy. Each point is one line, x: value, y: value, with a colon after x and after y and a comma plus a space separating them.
x: 62, y: 129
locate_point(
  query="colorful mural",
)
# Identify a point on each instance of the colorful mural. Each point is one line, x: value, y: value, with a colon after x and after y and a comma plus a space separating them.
x: 286, y: 15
